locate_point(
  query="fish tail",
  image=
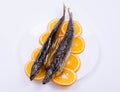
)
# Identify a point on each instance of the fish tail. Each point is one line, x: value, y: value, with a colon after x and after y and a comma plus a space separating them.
x: 70, y: 13
x: 70, y: 24
x: 64, y: 9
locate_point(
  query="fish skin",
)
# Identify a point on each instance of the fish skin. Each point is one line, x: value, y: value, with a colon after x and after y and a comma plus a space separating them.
x: 62, y: 52
x: 40, y: 60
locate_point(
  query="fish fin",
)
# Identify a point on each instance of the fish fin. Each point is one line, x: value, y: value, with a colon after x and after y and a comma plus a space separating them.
x: 60, y: 71
x: 46, y: 59
x: 62, y: 66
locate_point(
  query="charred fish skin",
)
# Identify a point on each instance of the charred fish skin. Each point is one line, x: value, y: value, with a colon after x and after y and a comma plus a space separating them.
x: 62, y: 51
x: 40, y: 60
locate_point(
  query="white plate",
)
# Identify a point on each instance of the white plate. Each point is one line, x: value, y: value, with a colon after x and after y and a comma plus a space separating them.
x: 89, y: 57
x: 19, y: 32
x: 29, y: 41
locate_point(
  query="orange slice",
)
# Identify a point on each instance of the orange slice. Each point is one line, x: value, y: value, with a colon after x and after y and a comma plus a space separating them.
x: 73, y: 63
x: 78, y: 45
x: 51, y: 25
x: 28, y: 67
x: 35, y: 53
x: 77, y: 28
x: 43, y: 37
x: 67, y: 78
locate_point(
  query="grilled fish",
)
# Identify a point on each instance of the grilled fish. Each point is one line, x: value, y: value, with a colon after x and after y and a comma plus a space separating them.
x: 40, y: 60
x: 61, y: 53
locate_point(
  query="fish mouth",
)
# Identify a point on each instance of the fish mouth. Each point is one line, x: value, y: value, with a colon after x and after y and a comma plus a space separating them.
x: 34, y: 71
x: 32, y: 77
x: 47, y: 77
x: 45, y: 81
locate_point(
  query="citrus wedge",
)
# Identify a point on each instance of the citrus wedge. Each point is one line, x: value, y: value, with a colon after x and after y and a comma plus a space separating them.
x: 51, y: 25
x: 35, y: 53
x: 67, y: 78
x: 43, y: 37
x: 78, y: 45
x: 73, y: 63
x: 28, y: 67
x: 77, y: 28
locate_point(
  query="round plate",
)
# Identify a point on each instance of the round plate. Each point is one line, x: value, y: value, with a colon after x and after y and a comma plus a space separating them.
x: 89, y: 57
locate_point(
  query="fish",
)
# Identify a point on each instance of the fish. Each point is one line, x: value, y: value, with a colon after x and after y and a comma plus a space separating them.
x: 52, y: 51
x: 41, y: 58
x: 61, y: 53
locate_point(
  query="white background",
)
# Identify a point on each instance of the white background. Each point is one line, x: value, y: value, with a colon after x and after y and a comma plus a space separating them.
x: 19, y: 16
